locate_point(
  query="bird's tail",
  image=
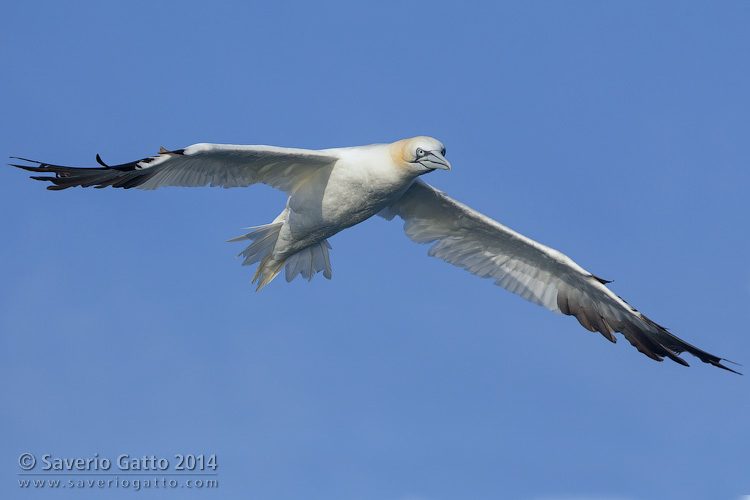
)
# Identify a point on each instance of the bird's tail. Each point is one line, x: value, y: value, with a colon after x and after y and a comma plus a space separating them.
x: 264, y: 240
x: 309, y: 261
x: 306, y: 262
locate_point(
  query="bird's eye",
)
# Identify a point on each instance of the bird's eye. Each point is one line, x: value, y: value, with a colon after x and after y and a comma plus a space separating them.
x: 442, y: 152
x: 420, y: 152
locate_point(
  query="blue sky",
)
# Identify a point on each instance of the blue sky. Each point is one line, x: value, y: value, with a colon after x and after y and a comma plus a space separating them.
x: 614, y: 132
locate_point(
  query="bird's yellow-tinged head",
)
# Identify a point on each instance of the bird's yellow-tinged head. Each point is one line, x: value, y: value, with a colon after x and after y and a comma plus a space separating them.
x: 421, y: 154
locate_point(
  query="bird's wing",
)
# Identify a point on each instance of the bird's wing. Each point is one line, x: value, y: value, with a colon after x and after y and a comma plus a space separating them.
x: 484, y: 247
x: 197, y: 165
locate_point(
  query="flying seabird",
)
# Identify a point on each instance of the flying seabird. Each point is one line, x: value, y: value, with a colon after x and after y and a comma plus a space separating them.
x: 333, y: 189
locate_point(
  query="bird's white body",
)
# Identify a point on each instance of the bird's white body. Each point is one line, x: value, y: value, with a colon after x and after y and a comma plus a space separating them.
x: 333, y: 189
x: 358, y: 183
x: 357, y: 186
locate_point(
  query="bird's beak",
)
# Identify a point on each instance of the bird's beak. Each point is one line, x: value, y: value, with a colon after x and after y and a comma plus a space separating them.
x: 435, y: 160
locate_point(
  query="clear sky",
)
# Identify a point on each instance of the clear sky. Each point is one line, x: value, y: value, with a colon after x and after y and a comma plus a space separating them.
x: 616, y: 132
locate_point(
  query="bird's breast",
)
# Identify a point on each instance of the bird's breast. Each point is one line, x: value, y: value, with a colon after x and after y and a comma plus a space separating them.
x: 359, y: 191
x: 345, y: 195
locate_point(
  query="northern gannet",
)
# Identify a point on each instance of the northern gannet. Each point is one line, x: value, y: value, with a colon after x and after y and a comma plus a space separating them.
x: 333, y: 189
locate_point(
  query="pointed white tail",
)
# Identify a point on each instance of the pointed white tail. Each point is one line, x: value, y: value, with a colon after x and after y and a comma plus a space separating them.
x: 306, y: 262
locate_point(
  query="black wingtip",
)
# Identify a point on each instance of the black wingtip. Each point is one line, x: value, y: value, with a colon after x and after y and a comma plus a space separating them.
x: 100, y: 161
x: 719, y: 365
x: 25, y: 167
x: 601, y: 280
x: 30, y: 168
x: 23, y: 159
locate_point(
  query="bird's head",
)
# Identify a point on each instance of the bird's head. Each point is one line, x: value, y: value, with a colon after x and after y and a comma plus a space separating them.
x: 420, y: 154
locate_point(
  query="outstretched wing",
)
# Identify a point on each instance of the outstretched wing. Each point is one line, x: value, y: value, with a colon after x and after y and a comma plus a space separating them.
x: 197, y: 165
x: 466, y: 238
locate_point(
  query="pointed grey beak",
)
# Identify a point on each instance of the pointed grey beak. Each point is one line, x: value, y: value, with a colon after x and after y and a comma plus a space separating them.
x: 435, y: 160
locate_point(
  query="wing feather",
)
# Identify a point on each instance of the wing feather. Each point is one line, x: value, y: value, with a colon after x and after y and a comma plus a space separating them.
x: 466, y: 238
x: 197, y: 165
